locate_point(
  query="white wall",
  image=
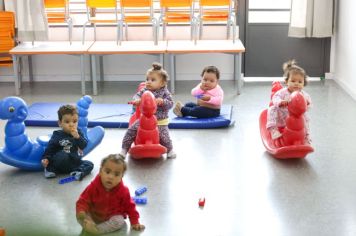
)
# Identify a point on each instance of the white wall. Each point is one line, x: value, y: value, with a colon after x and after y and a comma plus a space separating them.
x: 124, y: 67
x: 343, y: 51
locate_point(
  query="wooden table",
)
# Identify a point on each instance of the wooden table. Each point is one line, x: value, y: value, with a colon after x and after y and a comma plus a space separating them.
x: 101, y: 48
x: 175, y: 47
x: 45, y: 48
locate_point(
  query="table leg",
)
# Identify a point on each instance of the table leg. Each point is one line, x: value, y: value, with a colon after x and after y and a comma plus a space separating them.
x: 161, y: 60
x: 16, y: 73
x: 172, y: 71
x: 237, y: 72
x: 82, y: 73
x: 101, y: 66
x: 30, y: 69
x: 93, y: 67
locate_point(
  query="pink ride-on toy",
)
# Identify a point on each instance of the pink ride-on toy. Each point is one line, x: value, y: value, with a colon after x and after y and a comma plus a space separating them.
x: 292, y: 143
x: 147, y: 139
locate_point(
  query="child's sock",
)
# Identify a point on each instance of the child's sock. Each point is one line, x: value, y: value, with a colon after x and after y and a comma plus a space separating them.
x: 49, y: 174
x: 275, y: 132
x: 123, y: 153
x: 171, y: 155
x: 177, y: 110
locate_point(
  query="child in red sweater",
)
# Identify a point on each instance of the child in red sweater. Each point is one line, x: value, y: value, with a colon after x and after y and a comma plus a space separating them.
x: 106, y: 202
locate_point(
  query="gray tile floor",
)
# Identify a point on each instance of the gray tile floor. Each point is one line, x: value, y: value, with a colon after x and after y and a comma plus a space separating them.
x: 247, y: 191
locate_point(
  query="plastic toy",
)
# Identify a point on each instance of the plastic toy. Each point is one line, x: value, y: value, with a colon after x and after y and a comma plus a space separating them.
x: 140, y: 191
x: 19, y: 151
x: 147, y: 139
x: 67, y: 180
x: 140, y: 200
x: 22, y: 152
x: 201, y: 202
x: 292, y: 143
x: 136, y: 115
x: 93, y: 135
x: 199, y: 96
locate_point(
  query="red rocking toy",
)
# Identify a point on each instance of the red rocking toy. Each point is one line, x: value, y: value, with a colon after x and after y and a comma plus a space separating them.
x: 292, y: 143
x: 147, y: 139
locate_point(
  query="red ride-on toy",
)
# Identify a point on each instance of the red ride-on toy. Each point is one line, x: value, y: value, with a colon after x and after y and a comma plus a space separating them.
x: 147, y: 143
x: 292, y: 143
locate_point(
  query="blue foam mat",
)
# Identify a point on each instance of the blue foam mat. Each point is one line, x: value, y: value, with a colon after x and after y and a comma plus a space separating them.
x: 118, y: 115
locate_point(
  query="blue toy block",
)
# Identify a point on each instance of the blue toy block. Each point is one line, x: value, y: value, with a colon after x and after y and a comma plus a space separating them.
x: 199, y: 96
x: 140, y: 200
x: 140, y: 191
x: 67, y: 180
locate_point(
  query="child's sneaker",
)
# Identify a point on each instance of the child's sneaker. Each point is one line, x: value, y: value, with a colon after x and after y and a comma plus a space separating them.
x: 177, y: 110
x: 49, y: 174
x: 171, y: 155
x: 78, y: 175
x: 275, y: 133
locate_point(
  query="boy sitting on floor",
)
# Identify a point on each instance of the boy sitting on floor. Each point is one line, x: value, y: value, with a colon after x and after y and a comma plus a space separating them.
x: 64, y: 151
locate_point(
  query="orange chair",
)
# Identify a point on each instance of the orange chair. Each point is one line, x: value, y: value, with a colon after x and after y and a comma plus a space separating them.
x: 7, y: 33
x: 93, y: 16
x: 174, y: 11
x: 218, y: 11
x: 7, y: 22
x: 138, y: 11
x: 57, y: 11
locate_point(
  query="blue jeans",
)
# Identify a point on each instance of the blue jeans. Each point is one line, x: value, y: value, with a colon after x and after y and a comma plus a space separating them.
x: 194, y: 110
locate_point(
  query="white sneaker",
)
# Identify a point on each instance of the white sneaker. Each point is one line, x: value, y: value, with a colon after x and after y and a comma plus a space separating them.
x: 275, y: 134
x: 171, y: 155
x: 49, y: 174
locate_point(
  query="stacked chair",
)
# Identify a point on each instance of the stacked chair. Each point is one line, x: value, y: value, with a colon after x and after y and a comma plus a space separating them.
x: 92, y: 8
x: 182, y: 11
x: 217, y: 11
x: 57, y: 11
x: 138, y: 11
x: 7, y: 34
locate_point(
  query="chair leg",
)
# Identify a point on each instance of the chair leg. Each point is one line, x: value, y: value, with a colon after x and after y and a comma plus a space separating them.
x: 154, y: 31
x: 70, y: 30
x: 94, y: 32
x: 126, y: 32
x: 164, y: 25
x: 119, y: 33
x: 228, y: 26
x: 200, y: 29
x: 83, y: 37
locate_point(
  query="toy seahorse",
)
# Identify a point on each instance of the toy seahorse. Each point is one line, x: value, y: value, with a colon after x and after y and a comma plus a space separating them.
x: 19, y: 151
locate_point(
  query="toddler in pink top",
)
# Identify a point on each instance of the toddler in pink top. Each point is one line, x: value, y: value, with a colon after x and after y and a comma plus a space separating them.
x: 209, y: 96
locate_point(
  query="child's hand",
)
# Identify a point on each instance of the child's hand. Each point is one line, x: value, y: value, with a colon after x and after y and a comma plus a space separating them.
x: 90, y: 226
x: 80, y: 152
x: 74, y: 133
x: 205, y: 98
x: 159, y: 101
x: 138, y: 227
x: 137, y: 102
x: 45, y: 162
x: 283, y: 103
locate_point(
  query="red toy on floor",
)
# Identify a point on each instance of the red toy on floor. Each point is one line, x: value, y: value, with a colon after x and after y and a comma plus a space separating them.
x: 147, y: 140
x: 292, y: 143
